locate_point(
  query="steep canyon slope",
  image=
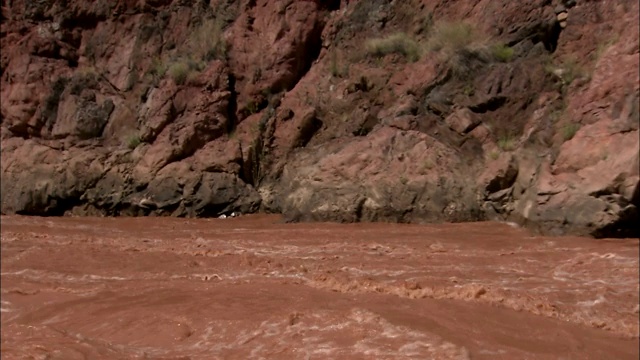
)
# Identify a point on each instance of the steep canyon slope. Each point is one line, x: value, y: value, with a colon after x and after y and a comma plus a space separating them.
x: 400, y: 111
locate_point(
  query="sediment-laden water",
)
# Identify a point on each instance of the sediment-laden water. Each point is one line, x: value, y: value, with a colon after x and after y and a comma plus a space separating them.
x: 256, y: 288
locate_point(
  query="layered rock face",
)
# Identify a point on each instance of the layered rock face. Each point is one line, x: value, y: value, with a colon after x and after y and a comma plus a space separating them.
x: 403, y: 111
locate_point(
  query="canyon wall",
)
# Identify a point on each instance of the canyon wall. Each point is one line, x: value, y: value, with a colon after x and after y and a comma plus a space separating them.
x: 398, y: 111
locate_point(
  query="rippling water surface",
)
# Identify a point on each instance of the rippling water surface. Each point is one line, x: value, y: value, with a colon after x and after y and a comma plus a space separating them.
x: 255, y: 288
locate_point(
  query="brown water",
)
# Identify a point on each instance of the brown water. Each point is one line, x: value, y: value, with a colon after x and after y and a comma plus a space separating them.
x: 254, y: 288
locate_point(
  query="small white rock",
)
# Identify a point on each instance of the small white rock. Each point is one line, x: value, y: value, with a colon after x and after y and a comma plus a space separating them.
x: 563, y: 16
x: 146, y: 203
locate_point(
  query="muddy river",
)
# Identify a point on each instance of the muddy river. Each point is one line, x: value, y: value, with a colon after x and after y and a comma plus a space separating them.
x: 255, y: 288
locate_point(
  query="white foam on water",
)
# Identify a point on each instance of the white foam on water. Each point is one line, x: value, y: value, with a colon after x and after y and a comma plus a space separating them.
x: 597, y: 281
x: 39, y: 274
x: 313, y: 335
x: 561, y: 275
x: 20, y: 272
x: 100, y: 277
x: 365, y: 272
x: 601, y: 299
x: 512, y: 224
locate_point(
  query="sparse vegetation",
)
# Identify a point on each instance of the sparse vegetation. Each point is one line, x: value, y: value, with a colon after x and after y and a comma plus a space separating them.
x: 207, y: 42
x: 494, y: 155
x: 557, y: 114
x: 451, y: 36
x: 252, y: 107
x: 468, y: 89
x: 179, y: 72
x: 506, y: 143
x: 568, y: 71
x: 156, y: 72
x: 334, y: 66
x: 502, y: 52
x: 465, y: 48
x: 464, y: 63
x: 133, y: 141
x: 425, y: 24
x: 427, y: 165
x: 603, y: 46
x: 267, y: 94
x: 569, y: 131
x: 462, y: 46
x: 125, y: 159
x: 158, y: 68
x: 571, y: 71
x: 84, y: 78
x: 399, y: 43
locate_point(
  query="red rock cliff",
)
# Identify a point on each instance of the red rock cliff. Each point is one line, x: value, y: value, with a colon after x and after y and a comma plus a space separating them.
x: 409, y: 111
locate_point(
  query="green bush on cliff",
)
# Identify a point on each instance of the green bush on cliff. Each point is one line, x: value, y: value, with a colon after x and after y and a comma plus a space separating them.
x: 133, y: 141
x: 506, y: 143
x: 399, y: 43
x: 179, y: 72
x: 158, y: 68
x: 569, y: 131
x: 252, y: 107
x: 502, y: 52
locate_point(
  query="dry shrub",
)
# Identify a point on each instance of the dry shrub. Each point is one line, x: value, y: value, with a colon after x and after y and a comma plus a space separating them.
x: 179, y: 72
x: 452, y: 36
x: 207, y: 41
x: 399, y: 43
